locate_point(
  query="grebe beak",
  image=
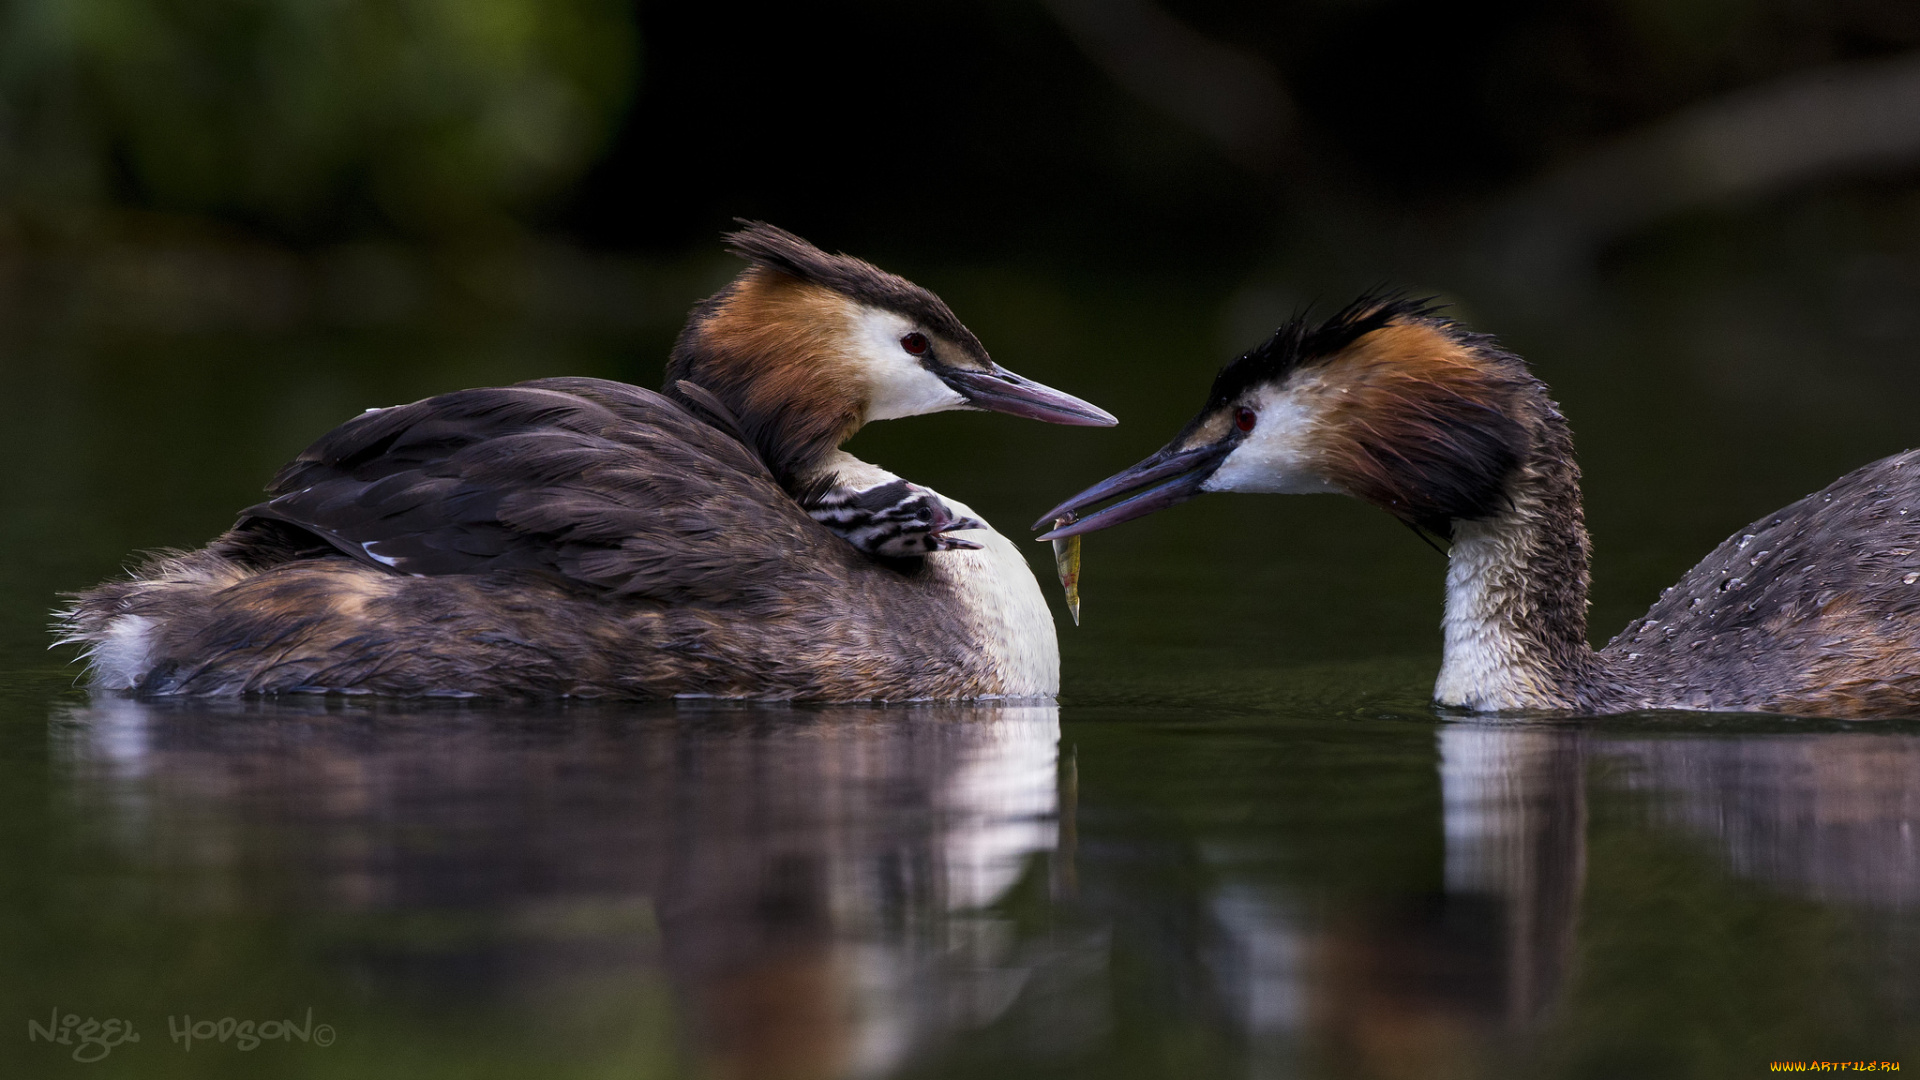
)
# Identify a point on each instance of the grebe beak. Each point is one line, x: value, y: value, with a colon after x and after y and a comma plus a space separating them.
x: 1168, y: 478
x: 996, y: 389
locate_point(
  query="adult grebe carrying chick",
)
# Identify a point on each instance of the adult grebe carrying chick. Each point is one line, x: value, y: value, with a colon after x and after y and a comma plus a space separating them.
x: 1813, y: 610
x: 591, y: 538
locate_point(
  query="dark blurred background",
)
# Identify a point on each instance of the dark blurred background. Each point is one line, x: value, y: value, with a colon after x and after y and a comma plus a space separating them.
x: 1171, y: 137
x: 226, y: 225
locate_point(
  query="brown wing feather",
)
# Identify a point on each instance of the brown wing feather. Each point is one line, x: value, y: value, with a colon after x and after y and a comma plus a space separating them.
x: 1814, y: 608
x: 606, y: 485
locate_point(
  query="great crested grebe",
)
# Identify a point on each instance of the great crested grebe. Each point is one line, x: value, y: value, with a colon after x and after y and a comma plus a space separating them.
x: 585, y: 537
x: 1811, y: 610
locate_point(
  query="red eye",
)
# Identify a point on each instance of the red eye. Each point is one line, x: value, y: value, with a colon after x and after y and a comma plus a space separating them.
x: 915, y: 343
x: 1244, y: 419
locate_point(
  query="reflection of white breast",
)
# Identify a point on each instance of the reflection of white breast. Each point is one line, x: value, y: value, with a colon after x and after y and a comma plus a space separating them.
x: 995, y: 808
x: 1001, y: 803
x: 997, y: 589
x: 1493, y: 783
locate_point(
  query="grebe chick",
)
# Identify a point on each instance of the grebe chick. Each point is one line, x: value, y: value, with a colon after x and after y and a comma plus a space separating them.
x: 1813, y: 610
x: 586, y: 537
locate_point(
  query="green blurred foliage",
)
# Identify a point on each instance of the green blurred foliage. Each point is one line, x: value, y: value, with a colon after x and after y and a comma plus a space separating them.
x: 307, y: 118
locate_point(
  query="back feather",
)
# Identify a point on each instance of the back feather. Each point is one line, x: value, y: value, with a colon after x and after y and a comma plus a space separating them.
x: 606, y: 486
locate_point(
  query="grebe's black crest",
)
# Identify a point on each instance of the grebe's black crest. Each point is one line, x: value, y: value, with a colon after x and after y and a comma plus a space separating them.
x: 777, y: 249
x: 1299, y: 344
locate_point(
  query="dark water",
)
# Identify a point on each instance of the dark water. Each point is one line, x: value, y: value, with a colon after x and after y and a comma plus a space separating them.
x: 1242, y: 845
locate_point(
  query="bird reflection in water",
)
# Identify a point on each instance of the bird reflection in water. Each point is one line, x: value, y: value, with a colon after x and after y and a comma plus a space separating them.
x: 1433, y: 984
x: 815, y: 885
x: 845, y: 892
x: 1515, y: 819
x: 1828, y: 816
x: 1453, y: 982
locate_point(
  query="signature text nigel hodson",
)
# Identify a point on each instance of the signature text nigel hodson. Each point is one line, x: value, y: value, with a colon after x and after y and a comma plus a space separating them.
x: 93, y: 1038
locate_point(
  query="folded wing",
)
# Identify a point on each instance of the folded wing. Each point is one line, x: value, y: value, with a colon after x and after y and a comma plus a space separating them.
x: 608, y: 486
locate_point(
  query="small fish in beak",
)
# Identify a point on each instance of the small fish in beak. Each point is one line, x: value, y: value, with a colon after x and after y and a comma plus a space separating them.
x: 1168, y: 478
x: 1066, y: 560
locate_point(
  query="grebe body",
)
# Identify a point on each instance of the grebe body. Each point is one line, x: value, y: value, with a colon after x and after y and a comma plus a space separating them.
x: 590, y: 538
x: 1813, y: 610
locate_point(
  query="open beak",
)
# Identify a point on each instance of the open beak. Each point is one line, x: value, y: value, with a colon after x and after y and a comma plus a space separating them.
x: 998, y: 390
x: 1168, y: 478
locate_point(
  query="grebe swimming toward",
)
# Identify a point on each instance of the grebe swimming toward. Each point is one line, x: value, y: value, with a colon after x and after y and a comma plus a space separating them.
x: 587, y: 537
x: 1811, y: 610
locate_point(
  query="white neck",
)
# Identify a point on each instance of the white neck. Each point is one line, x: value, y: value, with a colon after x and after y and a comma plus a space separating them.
x: 1487, y: 662
x: 1514, y: 638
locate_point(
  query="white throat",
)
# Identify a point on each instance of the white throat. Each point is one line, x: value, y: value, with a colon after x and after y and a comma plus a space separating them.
x: 1489, y: 662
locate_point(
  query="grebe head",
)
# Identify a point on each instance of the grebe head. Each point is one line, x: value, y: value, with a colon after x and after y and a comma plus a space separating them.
x: 1385, y: 401
x: 805, y: 347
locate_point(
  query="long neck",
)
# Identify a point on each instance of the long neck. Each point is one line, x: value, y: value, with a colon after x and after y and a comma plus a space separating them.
x: 1516, y: 621
x: 763, y: 347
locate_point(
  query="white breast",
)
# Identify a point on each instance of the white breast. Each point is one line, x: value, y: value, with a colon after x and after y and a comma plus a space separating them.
x: 997, y: 589
x: 1008, y: 610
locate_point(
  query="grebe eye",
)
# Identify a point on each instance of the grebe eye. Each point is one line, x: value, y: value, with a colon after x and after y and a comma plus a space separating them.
x: 915, y: 343
x: 1244, y: 419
